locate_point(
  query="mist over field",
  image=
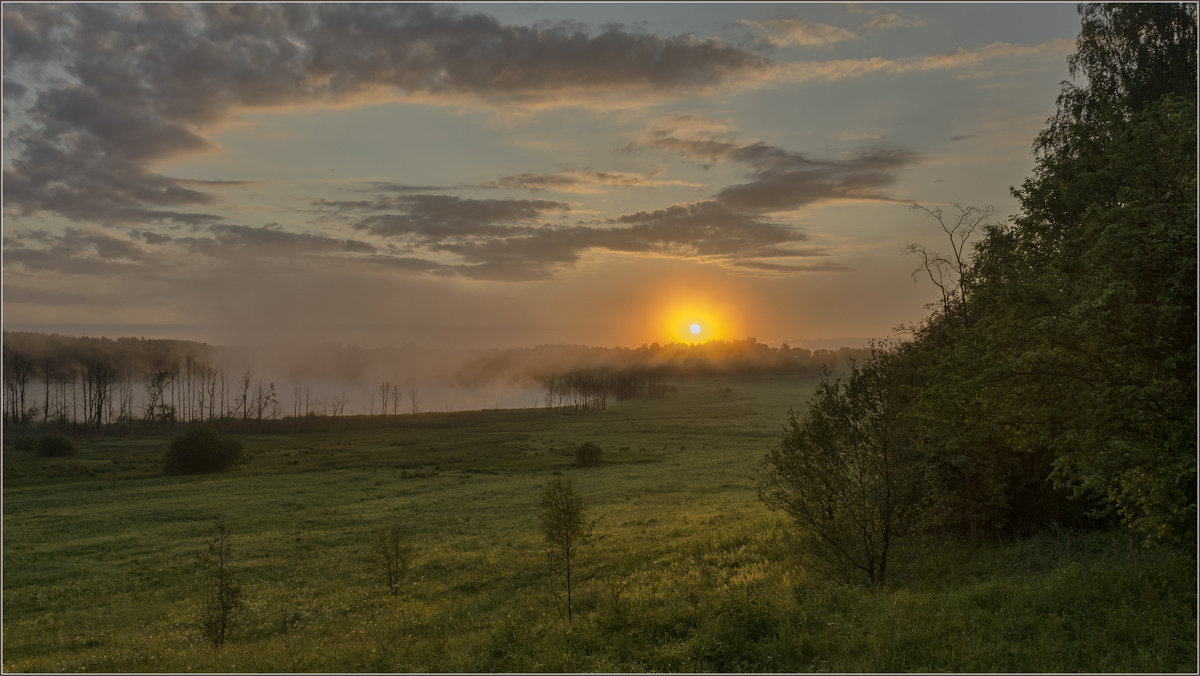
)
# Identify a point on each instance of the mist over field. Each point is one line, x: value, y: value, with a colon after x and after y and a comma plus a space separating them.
x: 332, y: 379
x: 599, y: 337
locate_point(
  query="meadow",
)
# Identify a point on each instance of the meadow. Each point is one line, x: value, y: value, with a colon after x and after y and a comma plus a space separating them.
x: 687, y: 572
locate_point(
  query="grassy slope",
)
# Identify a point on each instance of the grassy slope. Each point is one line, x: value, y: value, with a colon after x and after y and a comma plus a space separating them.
x: 688, y: 571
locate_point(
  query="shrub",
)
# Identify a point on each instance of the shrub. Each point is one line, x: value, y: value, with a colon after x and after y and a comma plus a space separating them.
x: 390, y: 554
x: 222, y: 594
x: 24, y: 442
x: 587, y: 455
x: 202, y: 452
x: 55, y: 446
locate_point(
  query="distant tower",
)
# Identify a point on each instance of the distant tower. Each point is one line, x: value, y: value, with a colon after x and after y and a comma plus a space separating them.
x: 752, y: 340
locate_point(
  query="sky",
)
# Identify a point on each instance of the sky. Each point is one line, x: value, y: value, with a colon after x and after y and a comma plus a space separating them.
x: 505, y: 175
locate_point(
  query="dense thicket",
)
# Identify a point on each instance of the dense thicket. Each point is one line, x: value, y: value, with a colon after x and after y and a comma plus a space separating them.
x: 1055, y: 380
x: 202, y: 451
x: 1082, y: 310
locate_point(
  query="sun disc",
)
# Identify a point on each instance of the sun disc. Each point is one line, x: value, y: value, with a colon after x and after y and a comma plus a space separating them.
x: 695, y: 329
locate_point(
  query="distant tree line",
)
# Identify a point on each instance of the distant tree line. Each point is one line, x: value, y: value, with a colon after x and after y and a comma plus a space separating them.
x: 546, y: 363
x: 97, y: 381
x: 590, y: 389
x: 621, y: 373
x: 1055, y: 379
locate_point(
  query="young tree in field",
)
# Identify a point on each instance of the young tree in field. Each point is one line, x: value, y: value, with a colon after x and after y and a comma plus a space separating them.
x: 565, y: 526
x: 223, y: 596
x: 390, y: 554
x: 838, y: 471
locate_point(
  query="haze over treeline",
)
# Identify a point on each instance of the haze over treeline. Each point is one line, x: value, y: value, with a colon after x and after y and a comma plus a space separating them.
x: 50, y: 377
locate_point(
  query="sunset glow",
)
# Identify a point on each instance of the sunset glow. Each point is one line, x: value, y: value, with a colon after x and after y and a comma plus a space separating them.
x: 698, y: 322
x: 510, y: 182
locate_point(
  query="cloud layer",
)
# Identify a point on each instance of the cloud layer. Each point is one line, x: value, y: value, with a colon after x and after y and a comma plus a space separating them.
x: 780, y: 180
x: 146, y: 81
x: 101, y: 94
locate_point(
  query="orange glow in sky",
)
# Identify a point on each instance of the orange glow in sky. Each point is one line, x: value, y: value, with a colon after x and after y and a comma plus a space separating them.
x: 688, y: 313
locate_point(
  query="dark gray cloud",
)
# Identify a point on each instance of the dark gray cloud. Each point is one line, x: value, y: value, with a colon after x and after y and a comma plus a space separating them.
x: 536, y: 182
x: 76, y: 251
x: 72, y: 172
x: 79, y: 240
x: 779, y: 179
x: 144, y: 81
x: 282, y: 243
x: 14, y: 89
x: 578, y: 181
x: 706, y: 228
x: 511, y: 240
x: 92, y: 250
x: 441, y: 216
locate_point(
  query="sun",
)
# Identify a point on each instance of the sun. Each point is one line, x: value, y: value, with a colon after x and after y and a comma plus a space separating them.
x: 695, y: 323
x: 692, y: 311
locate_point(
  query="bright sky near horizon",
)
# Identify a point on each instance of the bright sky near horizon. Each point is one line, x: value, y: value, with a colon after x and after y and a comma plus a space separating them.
x: 502, y: 175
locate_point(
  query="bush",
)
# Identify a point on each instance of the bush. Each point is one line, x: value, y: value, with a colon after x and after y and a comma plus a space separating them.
x: 587, y: 455
x: 222, y: 594
x: 55, y: 446
x: 391, y: 554
x: 202, y: 452
x: 24, y: 442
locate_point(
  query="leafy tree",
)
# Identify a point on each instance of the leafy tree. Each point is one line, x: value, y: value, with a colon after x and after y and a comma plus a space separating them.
x: 839, y: 471
x: 1087, y: 300
x: 565, y: 526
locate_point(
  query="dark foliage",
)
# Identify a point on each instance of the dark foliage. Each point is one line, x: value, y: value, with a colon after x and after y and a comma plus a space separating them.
x: 587, y: 454
x: 1054, y: 383
x: 202, y: 451
x: 55, y: 446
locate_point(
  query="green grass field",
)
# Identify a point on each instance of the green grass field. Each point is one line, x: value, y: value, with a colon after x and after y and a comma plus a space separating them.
x: 688, y: 570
